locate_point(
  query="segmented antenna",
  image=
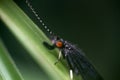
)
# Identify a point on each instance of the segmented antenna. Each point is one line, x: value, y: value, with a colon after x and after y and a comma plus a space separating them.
x: 37, y: 16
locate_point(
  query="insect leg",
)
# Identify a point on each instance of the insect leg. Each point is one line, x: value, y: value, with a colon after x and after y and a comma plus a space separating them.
x: 50, y: 47
x: 71, y: 74
x: 59, y: 57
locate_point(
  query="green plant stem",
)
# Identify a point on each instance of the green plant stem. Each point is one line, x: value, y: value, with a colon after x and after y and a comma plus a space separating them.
x: 0, y: 77
x: 31, y: 37
x: 8, y: 70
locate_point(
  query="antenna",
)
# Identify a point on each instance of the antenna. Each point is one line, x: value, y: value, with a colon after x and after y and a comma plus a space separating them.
x: 37, y: 16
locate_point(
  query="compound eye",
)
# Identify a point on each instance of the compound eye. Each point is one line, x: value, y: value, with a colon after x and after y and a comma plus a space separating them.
x: 59, y: 44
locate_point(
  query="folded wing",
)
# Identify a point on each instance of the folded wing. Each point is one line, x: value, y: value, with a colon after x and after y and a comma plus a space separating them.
x: 80, y: 65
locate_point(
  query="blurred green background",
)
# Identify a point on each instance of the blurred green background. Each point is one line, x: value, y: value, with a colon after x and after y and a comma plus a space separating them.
x: 92, y: 25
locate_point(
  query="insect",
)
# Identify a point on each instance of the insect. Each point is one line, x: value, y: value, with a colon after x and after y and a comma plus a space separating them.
x: 76, y: 59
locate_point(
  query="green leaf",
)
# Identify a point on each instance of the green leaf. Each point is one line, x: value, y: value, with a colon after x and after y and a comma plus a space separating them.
x: 8, y: 70
x: 31, y: 37
x: 0, y: 77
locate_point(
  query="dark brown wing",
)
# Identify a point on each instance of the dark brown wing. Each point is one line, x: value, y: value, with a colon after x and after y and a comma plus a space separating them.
x: 80, y: 65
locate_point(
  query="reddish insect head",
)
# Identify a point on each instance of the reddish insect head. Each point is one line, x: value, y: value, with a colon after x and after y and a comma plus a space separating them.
x: 59, y: 44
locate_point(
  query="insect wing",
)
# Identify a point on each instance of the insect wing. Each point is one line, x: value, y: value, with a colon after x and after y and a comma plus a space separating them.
x: 80, y: 65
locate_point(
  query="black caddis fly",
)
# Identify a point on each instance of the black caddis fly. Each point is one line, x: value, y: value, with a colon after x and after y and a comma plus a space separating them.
x: 77, y: 61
